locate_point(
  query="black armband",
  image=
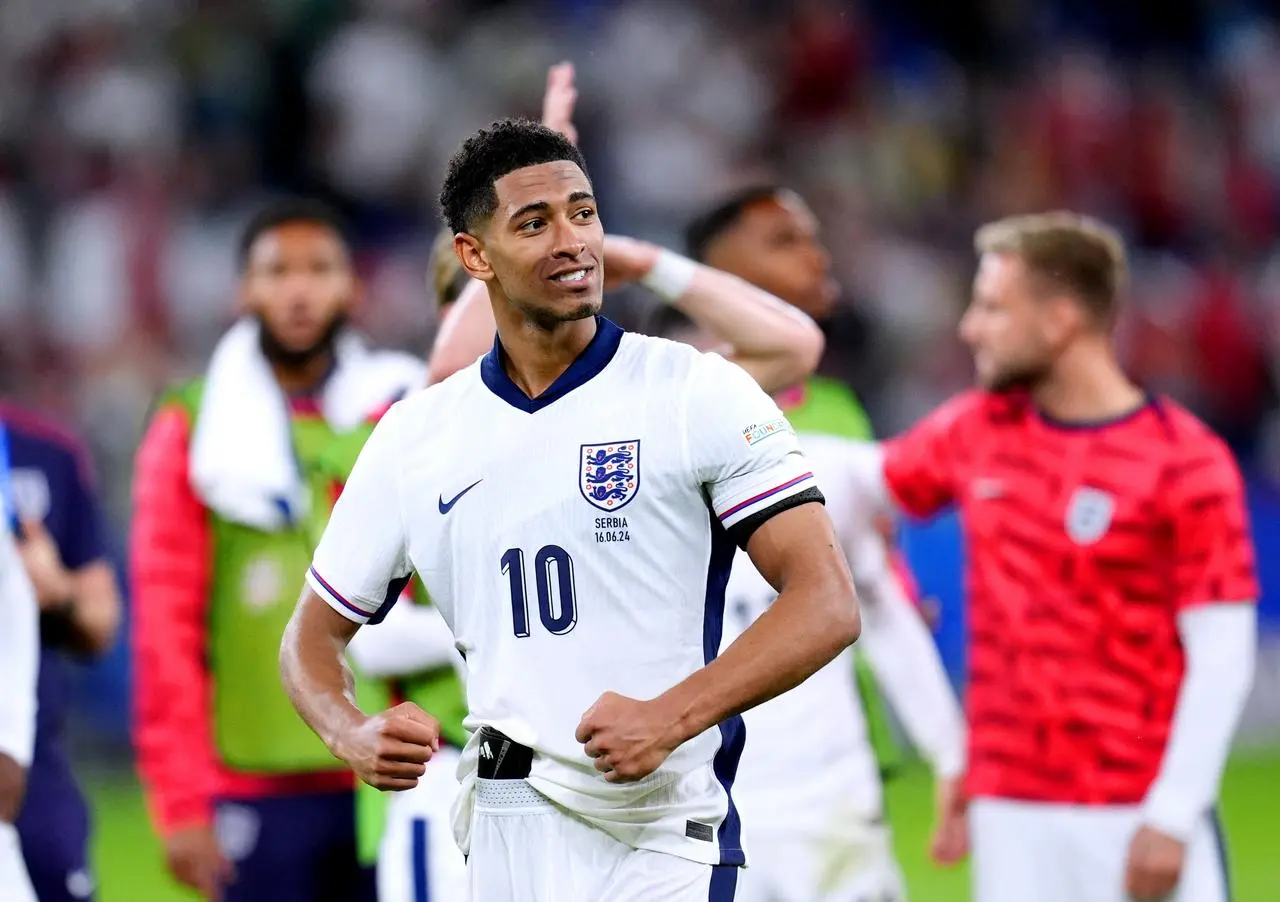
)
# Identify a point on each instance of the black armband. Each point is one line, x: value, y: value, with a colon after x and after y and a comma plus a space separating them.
x: 742, y: 531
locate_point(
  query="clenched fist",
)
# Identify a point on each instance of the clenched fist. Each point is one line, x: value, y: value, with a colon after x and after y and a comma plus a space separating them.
x: 391, y: 750
x: 629, y: 739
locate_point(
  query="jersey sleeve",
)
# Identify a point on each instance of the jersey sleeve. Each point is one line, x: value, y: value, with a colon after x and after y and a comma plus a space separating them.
x: 743, y: 450
x: 362, y: 564
x: 1213, y: 553
x: 920, y: 465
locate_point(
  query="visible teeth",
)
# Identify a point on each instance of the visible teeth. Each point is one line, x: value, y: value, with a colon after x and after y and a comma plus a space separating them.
x: 576, y: 276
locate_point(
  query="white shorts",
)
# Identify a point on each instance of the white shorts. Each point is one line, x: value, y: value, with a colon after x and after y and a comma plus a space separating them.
x: 524, y: 849
x: 854, y: 861
x: 1076, y: 853
x: 418, y: 857
x: 15, y: 886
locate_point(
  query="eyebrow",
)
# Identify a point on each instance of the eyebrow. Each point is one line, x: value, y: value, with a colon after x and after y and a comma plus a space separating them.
x: 542, y: 206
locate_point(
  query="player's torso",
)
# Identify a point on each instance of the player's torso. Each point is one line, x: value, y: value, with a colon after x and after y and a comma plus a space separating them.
x: 567, y: 547
x: 816, y: 732
x: 1074, y: 657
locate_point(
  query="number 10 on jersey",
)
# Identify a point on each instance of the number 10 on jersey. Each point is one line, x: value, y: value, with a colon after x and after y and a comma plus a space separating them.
x: 553, y: 578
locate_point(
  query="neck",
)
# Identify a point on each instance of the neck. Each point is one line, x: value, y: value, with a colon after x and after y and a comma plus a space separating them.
x: 534, y: 356
x: 297, y: 380
x: 1087, y: 385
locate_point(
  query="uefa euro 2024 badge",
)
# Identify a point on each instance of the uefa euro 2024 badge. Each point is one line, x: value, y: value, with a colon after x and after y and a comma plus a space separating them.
x: 609, y: 474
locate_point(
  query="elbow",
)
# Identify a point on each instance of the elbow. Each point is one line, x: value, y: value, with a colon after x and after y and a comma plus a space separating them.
x: 809, y: 346
x: 797, y: 358
x: 843, y: 621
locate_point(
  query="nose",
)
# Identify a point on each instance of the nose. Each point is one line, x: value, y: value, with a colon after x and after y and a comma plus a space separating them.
x: 968, y: 329
x: 568, y: 243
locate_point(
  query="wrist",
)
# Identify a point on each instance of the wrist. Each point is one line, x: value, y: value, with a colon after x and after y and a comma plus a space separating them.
x: 670, y: 276
x: 338, y: 740
x: 1169, y: 813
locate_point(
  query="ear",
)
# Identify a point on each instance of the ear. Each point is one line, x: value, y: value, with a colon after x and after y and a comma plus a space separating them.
x: 1064, y: 317
x: 471, y: 255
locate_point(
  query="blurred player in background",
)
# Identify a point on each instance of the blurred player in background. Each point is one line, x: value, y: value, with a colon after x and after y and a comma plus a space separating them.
x: 64, y: 549
x: 19, y: 665
x: 229, y: 502
x: 411, y: 657
x: 1110, y: 578
x: 569, y: 793
x: 819, y: 833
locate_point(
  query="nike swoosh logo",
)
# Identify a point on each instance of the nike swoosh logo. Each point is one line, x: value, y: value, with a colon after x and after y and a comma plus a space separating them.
x: 446, y: 506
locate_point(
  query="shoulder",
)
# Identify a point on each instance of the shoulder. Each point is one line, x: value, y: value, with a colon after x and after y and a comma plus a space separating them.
x: 658, y: 357
x: 978, y: 410
x: 451, y: 400
x: 1197, y: 456
x: 40, y: 428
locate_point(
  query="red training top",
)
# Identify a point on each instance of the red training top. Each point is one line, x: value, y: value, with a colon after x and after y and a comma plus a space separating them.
x: 1084, y: 543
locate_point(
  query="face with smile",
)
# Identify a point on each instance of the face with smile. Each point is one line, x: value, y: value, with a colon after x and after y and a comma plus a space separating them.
x: 543, y: 247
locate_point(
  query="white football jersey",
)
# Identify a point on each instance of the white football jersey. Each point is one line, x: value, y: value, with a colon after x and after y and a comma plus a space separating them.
x: 809, y: 747
x: 575, y: 544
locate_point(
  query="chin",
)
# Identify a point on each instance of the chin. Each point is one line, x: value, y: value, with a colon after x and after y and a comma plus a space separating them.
x: 567, y: 311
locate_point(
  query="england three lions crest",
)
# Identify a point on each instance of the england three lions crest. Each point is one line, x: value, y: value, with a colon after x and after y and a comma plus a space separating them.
x: 1089, y: 515
x: 609, y: 474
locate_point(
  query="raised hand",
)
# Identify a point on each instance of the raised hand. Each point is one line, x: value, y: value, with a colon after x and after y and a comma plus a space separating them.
x: 559, y: 101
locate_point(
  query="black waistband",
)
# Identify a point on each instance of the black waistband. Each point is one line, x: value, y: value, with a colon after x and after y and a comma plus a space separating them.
x: 501, y: 757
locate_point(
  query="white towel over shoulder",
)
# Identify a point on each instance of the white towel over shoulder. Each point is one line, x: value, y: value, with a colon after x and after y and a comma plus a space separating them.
x: 242, y: 459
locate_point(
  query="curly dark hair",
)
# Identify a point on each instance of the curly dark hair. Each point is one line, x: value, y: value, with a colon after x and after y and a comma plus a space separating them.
x: 288, y: 211
x: 715, y: 222
x: 467, y: 197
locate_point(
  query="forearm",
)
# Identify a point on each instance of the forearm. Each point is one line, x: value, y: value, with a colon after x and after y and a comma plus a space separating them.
x: 413, y: 639
x: 314, y: 671
x: 909, y: 669
x: 775, y: 342
x: 89, y: 620
x: 465, y: 335
x: 813, y: 619
x: 1220, y: 645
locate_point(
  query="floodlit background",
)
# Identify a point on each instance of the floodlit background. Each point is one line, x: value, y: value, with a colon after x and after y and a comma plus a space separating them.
x: 137, y: 135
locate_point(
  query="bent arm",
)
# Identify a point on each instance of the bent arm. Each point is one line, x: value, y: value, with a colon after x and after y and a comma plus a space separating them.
x: 314, y: 670
x: 90, y: 620
x: 905, y: 660
x: 773, y: 341
x: 1220, y: 642
x: 814, y: 618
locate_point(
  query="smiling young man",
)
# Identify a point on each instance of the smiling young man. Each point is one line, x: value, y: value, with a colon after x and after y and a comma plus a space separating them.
x: 572, y: 503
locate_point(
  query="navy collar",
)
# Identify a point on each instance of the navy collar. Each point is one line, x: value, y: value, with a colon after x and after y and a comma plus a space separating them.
x: 1148, y: 403
x: 593, y: 359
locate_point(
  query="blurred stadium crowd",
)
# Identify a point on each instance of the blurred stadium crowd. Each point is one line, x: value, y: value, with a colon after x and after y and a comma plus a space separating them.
x: 136, y: 136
